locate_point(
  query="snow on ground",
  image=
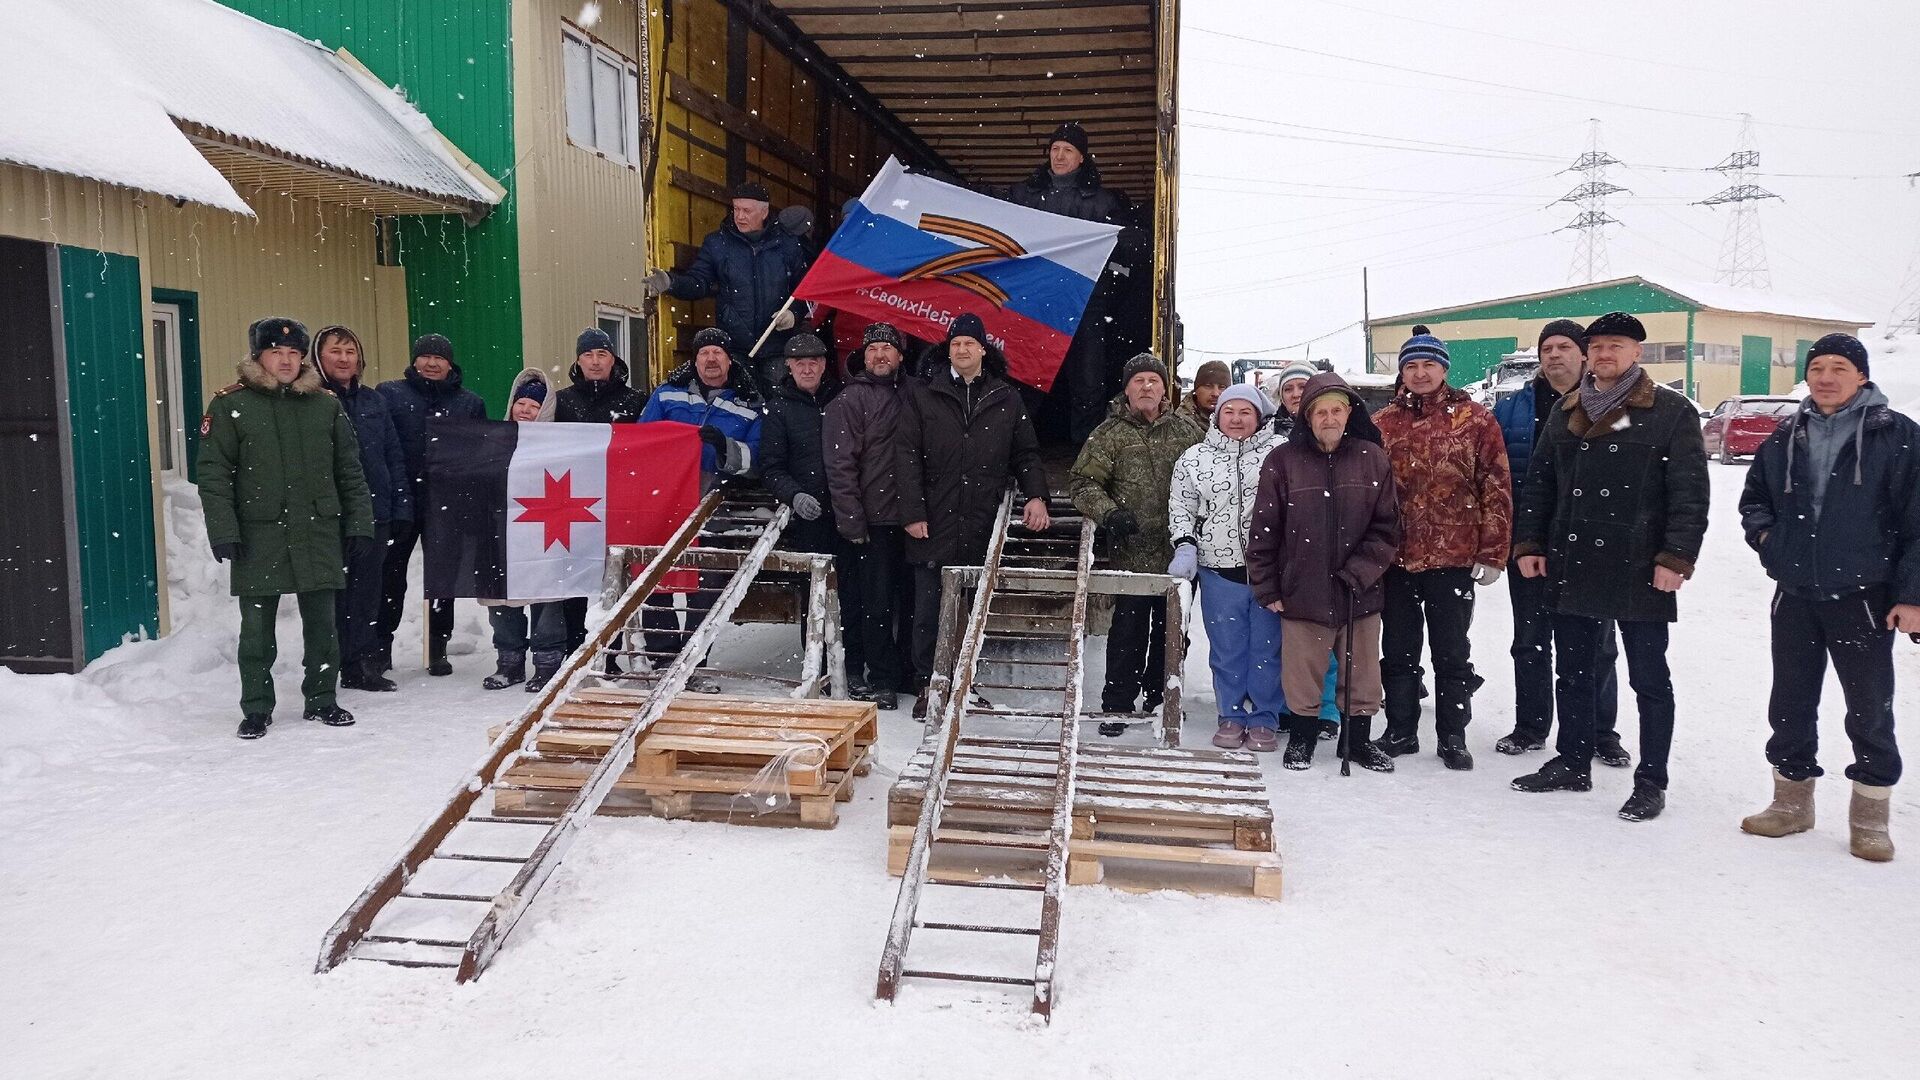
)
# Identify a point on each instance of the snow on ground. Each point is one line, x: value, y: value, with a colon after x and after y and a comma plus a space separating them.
x: 168, y: 886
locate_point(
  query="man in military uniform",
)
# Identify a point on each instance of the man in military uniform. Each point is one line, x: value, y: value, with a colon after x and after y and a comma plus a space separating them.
x: 283, y: 494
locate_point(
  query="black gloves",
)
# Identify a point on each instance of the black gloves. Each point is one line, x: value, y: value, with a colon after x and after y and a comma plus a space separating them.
x: 360, y: 546
x: 1121, y: 524
x: 228, y: 552
x: 712, y: 437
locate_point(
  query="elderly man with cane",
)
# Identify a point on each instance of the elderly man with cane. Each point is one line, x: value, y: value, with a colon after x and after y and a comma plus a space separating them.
x: 1327, y: 513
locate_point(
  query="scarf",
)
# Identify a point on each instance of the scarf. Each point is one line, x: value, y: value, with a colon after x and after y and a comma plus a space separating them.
x: 1598, y: 402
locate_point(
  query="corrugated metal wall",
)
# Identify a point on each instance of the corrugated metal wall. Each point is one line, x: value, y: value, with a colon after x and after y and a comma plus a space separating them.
x: 297, y: 257
x: 582, y: 220
x: 104, y: 309
x: 58, y: 209
x: 453, y: 60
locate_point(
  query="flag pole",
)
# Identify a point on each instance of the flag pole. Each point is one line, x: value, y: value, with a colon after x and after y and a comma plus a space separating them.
x: 764, y: 334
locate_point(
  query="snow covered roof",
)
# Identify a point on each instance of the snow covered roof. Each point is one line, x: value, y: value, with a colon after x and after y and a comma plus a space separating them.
x: 167, y: 95
x: 1701, y: 294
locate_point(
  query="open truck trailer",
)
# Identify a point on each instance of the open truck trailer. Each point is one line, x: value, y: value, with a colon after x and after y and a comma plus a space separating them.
x: 810, y: 97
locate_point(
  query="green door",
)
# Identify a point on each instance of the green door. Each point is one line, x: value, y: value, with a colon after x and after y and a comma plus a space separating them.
x: 1756, y: 365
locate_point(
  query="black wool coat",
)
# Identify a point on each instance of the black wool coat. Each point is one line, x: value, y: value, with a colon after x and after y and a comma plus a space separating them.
x: 1608, y: 499
x: 958, y: 445
x: 793, y: 460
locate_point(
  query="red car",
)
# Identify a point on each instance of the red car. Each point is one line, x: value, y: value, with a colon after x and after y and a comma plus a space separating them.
x: 1738, y: 425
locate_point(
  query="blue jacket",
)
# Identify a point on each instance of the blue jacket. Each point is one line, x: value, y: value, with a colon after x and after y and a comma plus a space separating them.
x: 415, y: 398
x: 748, y: 279
x: 1867, y: 530
x: 734, y: 411
x: 1521, y: 418
x: 381, y: 457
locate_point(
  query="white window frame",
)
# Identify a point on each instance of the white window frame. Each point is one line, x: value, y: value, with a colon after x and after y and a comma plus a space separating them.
x: 627, y: 324
x: 625, y: 101
x: 168, y: 403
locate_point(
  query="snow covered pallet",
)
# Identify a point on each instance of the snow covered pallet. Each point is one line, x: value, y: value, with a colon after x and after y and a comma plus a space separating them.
x: 1167, y: 814
x: 762, y: 761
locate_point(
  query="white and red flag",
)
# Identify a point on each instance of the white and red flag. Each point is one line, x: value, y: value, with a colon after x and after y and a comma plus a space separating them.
x: 525, y: 511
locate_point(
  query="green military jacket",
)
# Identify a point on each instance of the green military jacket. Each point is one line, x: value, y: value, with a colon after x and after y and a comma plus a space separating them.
x: 1128, y: 462
x: 279, y: 474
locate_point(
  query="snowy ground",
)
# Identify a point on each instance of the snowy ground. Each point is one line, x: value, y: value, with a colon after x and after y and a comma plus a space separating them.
x: 168, y: 884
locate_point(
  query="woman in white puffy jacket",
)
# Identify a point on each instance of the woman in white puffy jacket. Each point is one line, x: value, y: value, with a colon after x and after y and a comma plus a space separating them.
x: 1209, y: 509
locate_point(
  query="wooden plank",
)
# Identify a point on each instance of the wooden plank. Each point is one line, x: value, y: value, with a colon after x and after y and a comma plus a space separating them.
x: 684, y: 93
x: 936, y: 44
x: 697, y: 185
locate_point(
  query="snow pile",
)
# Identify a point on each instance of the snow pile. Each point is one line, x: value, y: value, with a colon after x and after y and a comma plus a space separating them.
x: 148, y: 63
x: 1896, y: 368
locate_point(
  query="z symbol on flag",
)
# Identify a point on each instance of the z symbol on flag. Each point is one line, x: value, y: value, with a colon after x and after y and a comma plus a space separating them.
x: 559, y: 510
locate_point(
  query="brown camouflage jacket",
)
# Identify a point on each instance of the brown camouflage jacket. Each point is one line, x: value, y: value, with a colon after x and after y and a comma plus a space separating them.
x: 1450, y: 469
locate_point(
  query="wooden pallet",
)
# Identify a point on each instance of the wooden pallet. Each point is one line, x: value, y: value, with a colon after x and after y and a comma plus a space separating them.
x: 705, y: 759
x: 1166, y: 814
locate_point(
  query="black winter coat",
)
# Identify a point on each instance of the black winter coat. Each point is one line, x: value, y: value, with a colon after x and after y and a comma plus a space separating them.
x: 793, y: 460
x: 1087, y: 199
x: 603, y: 401
x: 860, y: 438
x: 414, y: 399
x: 748, y: 279
x: 1607, y: 500
x: 958, y: 445
x: 1872, y: 524
x: 381, y: 460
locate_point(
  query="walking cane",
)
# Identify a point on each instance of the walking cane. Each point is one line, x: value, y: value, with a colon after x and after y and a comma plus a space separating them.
x: 1346, y: 688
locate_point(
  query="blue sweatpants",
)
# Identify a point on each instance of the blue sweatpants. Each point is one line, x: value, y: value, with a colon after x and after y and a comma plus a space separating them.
x: 1243, y: 648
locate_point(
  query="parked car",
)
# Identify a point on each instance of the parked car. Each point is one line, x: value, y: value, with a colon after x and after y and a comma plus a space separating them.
x: 1374, y: 388
x: 1737, y: 426
x: 1505, y: 380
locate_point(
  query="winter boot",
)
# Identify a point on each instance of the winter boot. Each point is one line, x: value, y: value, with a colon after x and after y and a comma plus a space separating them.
x: 1302, y: 737
x: 545, y: 666
x: 1231, y: 736
x: 1558, y: 774
x: 508, y: 669
x: 886, y: 700
x: 331, y: 715
x: 1362, y: 749
x: 920, y: 705
x: 1398, y: 742
x: 437, y: 659
x: 1607, y: 748
x: 1151, y: 701
x: 1519, y: 742
x: 1113, y: 729
x: 1329, y: 730
x: 1453, y: 753
x: 1868, y: 821
x: 1645, y: 803
x: 364, y: 675
x: 1790, y: 812
x: 254, y: 724
x: 703, y: 684
x: 1263, y: 740
x: 381, y: 661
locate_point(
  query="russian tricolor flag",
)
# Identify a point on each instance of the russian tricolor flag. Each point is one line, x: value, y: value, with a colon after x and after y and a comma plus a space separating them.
x: 525, y: 511
x: 918, y: 253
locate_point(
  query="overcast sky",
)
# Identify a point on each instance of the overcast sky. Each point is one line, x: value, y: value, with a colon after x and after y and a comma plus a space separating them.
x: 1279, y: 210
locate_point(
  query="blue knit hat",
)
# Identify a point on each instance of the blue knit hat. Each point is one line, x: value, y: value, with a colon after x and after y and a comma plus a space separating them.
x: 1424, y: 346
x: 593, y: 338
x: 533, y: 389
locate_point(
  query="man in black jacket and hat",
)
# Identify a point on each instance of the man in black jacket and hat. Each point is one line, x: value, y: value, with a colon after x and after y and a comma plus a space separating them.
x: 749, y: 266
x: 1832, y: 504
x: 1612, y: 515
x: 963, y: 434
x: 1068, y: 184
x: 600, y: 393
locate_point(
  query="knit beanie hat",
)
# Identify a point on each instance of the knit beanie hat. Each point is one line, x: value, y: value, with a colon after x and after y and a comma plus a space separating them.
x: 1424, y: 346
x: 968, y: 325
x: 1213, y: 373
x: 433, y: 345
x: 1617, y: 324
x: 593, y: 338
x: 882, y: 332
x: 713, y: 335
x: 1248, y: 393
x: 533, y: 389
x: 1302, y: 370
x: 1147, y: 362
x: 276, y: 333
x: 1070, y: 133
x: 804, y: 346
x: 1565, y: 328
x: 1845, y: 346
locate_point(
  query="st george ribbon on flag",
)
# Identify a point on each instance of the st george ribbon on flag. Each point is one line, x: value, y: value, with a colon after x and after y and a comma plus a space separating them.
x: 525, y: 511
x: 918, y: 253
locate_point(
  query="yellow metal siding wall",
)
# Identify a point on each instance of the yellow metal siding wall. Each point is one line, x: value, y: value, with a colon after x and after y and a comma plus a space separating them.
x: 57, y: 209
x: 296, y: 257
x: 582, y: 219
x: 1723, y: 328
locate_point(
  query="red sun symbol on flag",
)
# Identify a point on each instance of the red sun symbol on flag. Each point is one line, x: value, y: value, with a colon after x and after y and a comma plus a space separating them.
x: 559, y: 510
